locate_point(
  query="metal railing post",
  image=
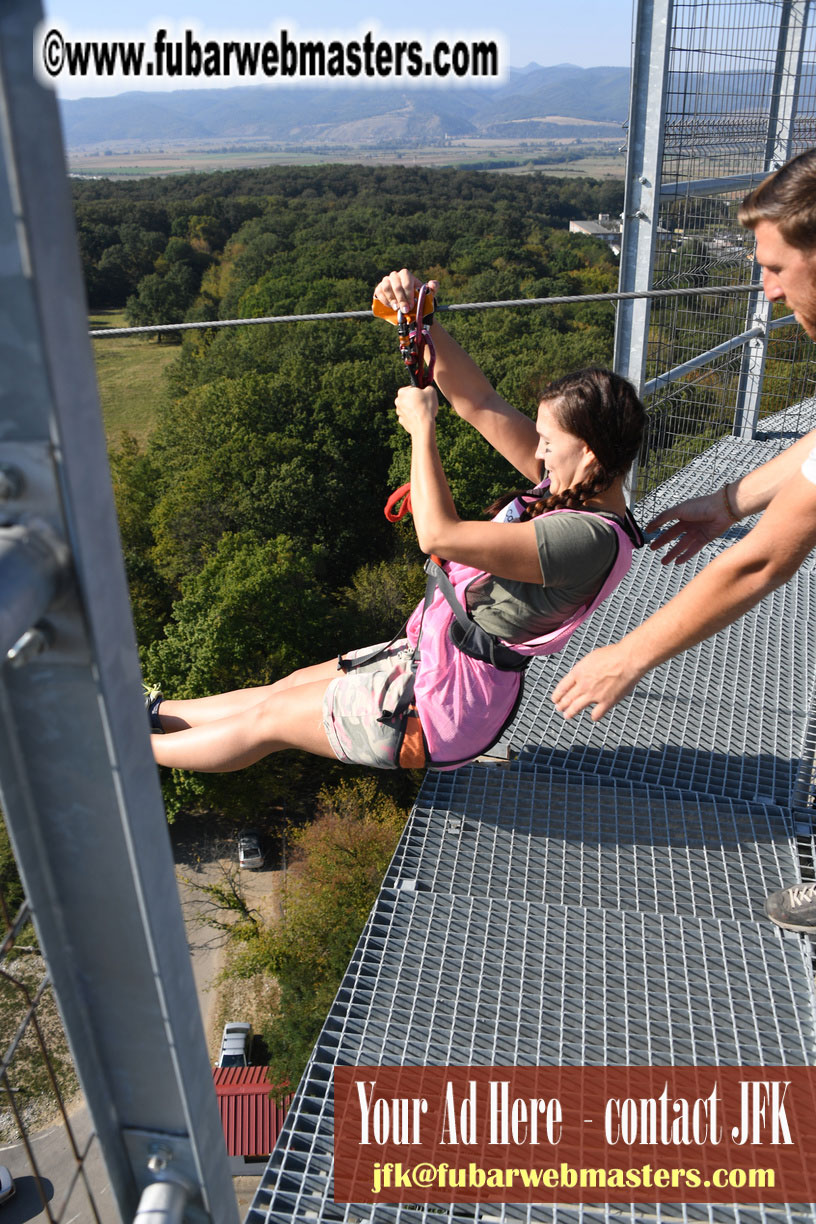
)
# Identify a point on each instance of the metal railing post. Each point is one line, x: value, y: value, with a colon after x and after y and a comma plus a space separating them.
x: 752, y: 370
x: 642, y: 188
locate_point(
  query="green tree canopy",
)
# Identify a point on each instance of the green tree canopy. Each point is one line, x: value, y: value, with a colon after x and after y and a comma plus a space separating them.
x: 277, y: 445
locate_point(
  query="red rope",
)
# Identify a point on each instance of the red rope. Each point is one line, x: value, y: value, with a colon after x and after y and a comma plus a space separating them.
x: 393, y: 512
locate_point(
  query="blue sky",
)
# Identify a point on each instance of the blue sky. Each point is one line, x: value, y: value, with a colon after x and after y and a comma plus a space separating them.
x: 584, y: 32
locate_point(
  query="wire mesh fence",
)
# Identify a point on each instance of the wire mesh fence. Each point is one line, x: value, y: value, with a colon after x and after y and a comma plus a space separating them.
x: 47, y: 1143
x: 727, y: 77
x: 740, y: 98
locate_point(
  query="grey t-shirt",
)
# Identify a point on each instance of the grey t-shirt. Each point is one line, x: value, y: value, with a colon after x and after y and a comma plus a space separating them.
x: 576, y: 552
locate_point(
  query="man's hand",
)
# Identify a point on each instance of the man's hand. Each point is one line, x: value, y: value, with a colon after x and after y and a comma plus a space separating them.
x: 601, y: 679
x: 698, y: 520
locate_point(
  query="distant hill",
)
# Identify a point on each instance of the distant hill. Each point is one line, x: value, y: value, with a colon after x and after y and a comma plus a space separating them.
x: 535, y: 101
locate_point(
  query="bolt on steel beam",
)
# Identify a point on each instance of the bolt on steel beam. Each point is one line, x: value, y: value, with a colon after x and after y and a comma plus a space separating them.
x: 33, y: 565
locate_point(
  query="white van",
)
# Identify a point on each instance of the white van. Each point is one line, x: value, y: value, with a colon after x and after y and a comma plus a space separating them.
x: 235, y: 1044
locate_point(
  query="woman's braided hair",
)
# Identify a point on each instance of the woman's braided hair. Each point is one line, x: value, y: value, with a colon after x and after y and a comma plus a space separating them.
x: 601, y: 409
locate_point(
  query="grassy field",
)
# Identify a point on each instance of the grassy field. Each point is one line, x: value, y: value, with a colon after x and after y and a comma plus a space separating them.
x: 130, y: 370
x: 597, y: 158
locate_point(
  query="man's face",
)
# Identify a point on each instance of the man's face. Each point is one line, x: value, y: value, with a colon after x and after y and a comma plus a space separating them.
x: 788, y: 274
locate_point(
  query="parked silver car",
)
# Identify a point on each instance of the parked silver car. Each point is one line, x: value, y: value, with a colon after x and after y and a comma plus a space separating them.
x: 250, y: 854
x: 7, y: 1186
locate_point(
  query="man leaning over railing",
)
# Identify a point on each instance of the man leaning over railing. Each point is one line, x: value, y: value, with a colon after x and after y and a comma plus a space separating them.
x: 781, y: 211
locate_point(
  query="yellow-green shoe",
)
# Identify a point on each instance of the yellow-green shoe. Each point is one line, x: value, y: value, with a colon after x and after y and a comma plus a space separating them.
x: 153, y: 698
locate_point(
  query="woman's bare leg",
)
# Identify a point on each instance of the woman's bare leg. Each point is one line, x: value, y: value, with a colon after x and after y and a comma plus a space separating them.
x: 194, y: 712
x: 286, y: 718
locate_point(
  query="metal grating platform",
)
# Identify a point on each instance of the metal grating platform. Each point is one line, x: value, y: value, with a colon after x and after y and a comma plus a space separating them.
x: 439, y: 979
x: 497, y: 1213
x: 570, y: 839
x: 519, y: 897
x: 731, y: 457
x: 727, y: 717
x: 476, y: 980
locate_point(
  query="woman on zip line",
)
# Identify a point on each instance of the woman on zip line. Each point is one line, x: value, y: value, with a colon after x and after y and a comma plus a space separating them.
x: 511, y: 587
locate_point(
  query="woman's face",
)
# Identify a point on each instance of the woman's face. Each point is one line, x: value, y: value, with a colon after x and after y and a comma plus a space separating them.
x: 567, y: 459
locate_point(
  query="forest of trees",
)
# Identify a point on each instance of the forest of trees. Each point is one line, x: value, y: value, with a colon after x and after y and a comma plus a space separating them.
x: 252, y: 519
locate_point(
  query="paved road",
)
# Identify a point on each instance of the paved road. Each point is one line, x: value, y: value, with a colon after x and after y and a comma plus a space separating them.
x: 70, y: 1204
x: 205, y: 944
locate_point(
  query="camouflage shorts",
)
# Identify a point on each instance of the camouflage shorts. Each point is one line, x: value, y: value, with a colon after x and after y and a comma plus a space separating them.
x: 356, y: 706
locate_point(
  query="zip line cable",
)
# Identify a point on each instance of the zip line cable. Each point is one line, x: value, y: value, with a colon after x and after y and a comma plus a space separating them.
x: 102, y: 333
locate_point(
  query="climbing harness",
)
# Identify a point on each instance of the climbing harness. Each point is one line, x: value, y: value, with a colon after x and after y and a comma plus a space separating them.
x: 463, y: 685
x: 414, y: 342
x: 469, y: 683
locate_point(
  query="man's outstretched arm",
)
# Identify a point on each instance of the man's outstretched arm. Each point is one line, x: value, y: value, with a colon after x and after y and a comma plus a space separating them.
x: 721, y: 593
x: 692, y: 523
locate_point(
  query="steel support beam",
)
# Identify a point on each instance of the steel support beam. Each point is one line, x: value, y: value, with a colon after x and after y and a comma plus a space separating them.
x: 33, y: 564
x: 703, y: 359
x: 642, y: 189
x: 79, y: 788
x: 721, y: 350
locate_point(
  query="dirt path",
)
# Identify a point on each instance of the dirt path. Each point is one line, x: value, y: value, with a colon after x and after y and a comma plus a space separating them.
x: 200, y: 861
x: 206, y: 946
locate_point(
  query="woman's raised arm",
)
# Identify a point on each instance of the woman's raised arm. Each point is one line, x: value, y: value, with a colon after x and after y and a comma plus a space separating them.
x: 507, y: 550
x: 466, y: 388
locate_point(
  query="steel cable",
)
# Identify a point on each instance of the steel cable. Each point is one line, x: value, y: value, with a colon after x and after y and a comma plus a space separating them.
x: 102, y: 333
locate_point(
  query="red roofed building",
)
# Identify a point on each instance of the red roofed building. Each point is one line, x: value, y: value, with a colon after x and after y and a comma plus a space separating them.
x: 250, y: 1116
